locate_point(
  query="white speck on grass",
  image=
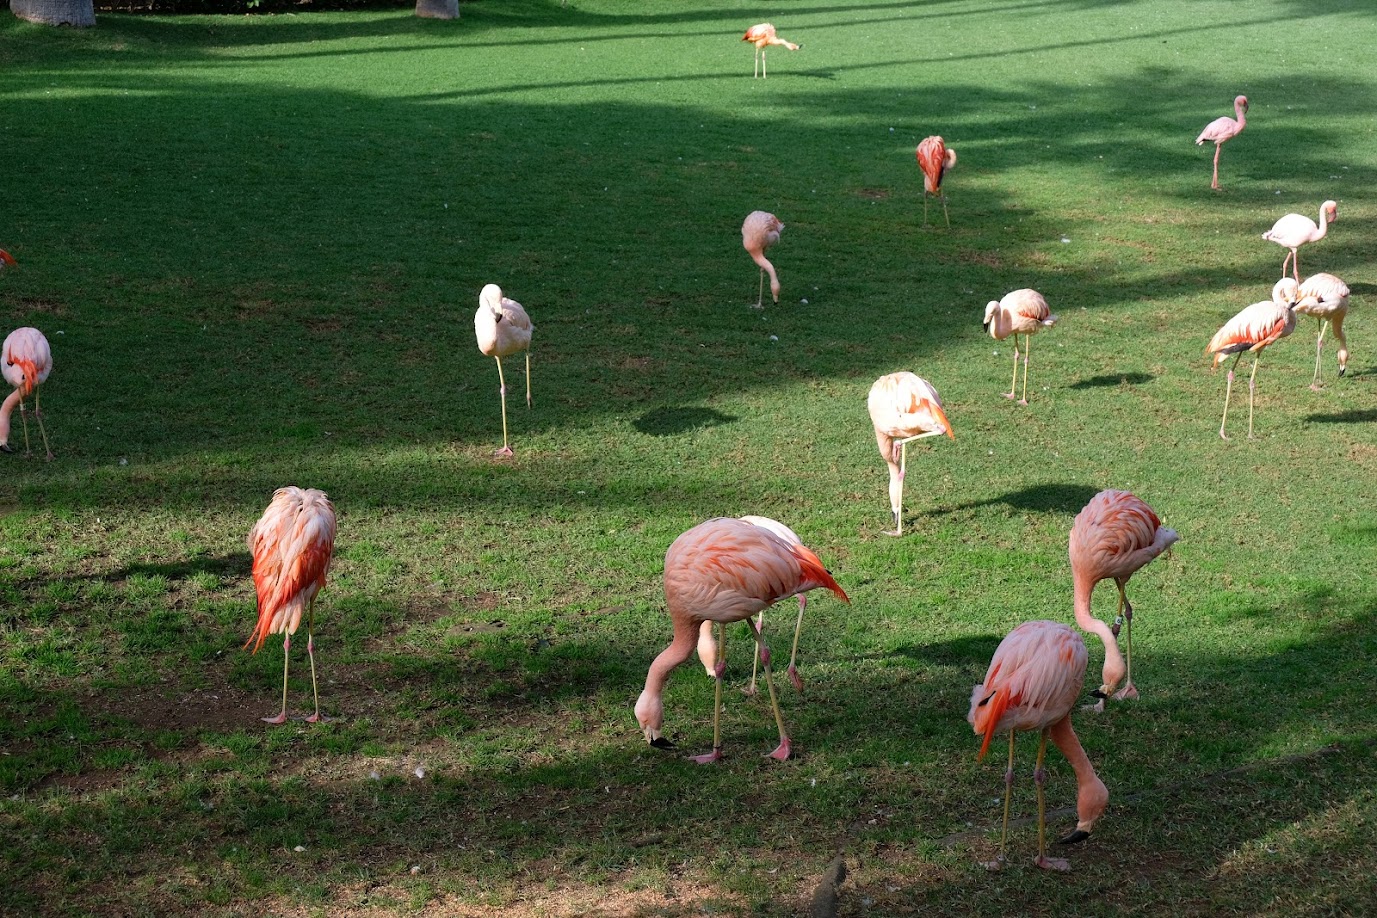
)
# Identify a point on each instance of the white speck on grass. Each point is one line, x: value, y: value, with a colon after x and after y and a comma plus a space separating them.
x: 1065, y: 239
x: 804, y: 301
x: 772, y: 338
x: 420, y: 771
x: 299, y: 848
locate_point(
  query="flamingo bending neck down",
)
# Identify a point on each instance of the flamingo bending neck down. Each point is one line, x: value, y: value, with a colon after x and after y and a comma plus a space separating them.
x: 1295, y: 230
x: 1325, y: 297
x: 762, y: 36
x: 1221, y: 129
x: 759, y: 231
x: 26, y: 360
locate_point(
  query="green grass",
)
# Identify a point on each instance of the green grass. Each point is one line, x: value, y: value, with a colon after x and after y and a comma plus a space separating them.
x: 256, y: 243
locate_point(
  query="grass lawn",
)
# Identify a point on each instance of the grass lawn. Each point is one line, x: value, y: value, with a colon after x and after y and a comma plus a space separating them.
x: 256, y: 245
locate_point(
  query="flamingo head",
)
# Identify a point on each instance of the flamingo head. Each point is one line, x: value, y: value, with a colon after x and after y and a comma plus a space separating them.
x: 1286, y: 292
x: 1241, y: 103
x: 1331, y: 211
x: 650, y: 714
x: 491, y: 298
x: 6, y: 259
x: 990, y: 311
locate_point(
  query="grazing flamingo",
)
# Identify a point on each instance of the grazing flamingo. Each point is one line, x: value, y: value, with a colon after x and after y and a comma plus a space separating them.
x: 759, y: 231
x: 903, y: 407
x: 934, y: 159
x: 26, y: 360
x: 503, y: 329
x: 1325, y: 297
x: 1032, y: 684
x: 1295, y: 230
x: 291, y: 545
x: 1113, y: 536
x: 1222, y: 129
x: 6, y: 260
x: 707, y: 645
x: 1253, y: 329
x: 725, y: 570
x: 762, y: 36
x: 1022, y: 312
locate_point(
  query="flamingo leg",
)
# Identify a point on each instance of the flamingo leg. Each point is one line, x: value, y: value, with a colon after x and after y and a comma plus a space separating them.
x: 1040, y: 779
x: 24, y: 419
x: 1252, y: 389
x: 38, y: 416
x: 1027, y: 348
x: 760, y: 293
x: 528, y: 377
x: 1286, y: 260
x: 1228, y: 388
x: 793, y: 654
x: 782, y: 752
x: 502, y: 390
x: 903, y: 469
x: 944, y: 211
x: 925, y: 207
x: 750, y: 689
x: 1013, y: 384
x: 1295, y: 265
x: 286, y: 658
x: 311, y: 654
x: 764, y: 72
x: 1319, y: 349
x: 720, y: 671
x: 1214, y: 182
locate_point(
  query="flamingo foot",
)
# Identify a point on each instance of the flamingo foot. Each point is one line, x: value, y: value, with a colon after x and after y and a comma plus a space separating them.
x: 6, y: 448
x: 317, y: 718
x: 50, y: 456
x: 749, y: 690
x: 1053, y: 863
x: 707, y: 758
x: 1222, y: 434
x: 1007, y: 394
x: 1127, y: 693
x: 794, y: 678
x: 1314, y: 387
x: 279, y: 719
x: 1023, y: 401
x: 781, y: 753
x: 891, y: 532
x: 995, y: 865
x: 503, y: 453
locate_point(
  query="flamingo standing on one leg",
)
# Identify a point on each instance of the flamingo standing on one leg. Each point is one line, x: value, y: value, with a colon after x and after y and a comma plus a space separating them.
x: 903, y: 407
x: 503, y: 329
x: 1222, y: 129
x: 1251, y: 330
x: 25, y: 360
x: 1032, y: 684
x: 1325, y: 297
x: 762, y: 36
x: 1295, y: 230
x: 934, y: 158
x: 759, y: 231
x: 1022, y: 312
x: 1114, y: 536
x: 725, y: 570
x: 291, y: 545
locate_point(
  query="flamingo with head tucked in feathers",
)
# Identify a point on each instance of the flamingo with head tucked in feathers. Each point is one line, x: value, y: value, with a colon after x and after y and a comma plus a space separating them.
x: 1325, y: 297
x: 1221, y: 129
x: 25, y: 360
x: 934, y: 158
x: 503, y: 328
x: 1295, y: 230
x: 903, y: 407
x: 762, y: 36
x: 1254, y: 328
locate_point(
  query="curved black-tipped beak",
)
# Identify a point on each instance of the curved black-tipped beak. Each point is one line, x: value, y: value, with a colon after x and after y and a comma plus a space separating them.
x: 660, y: 742
x: 1098, y: 694
x: 985, y: 325
x: 1343, y: 370
x: 1074, y: 838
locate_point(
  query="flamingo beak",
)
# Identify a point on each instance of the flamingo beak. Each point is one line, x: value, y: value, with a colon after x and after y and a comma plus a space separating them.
x: 660, y: 742
x: 1075, y: 837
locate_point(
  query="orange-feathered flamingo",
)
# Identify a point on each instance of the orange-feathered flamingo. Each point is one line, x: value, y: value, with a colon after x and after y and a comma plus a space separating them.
x: 1022, y: 312
x: 1032, y: 684
x: 503, y: 329
x: 1113, y: 536
x: 1251, y: 330
x: 934, y: 158
x: 291, y: 545
x: 759, y: 231
x: 1222, y: 129
x: 26, y: 360
x: 725, y: 570
x: 903, y: 407
x: 1295, y: 230
x: 1325, y: 297
x: 762, y: 36
x: 6, y: 260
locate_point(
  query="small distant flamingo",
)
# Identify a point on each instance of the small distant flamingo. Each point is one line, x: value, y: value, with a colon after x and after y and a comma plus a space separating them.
x: 6, y: 260
x: 1114, y: 536
x: 25, y: 360
x: 1032, y: 684
x: 1222, y: 129
x: 759, y: 231
x: 1022, y: 312
x: 903, y: 407
x: 725, y: 570
x: 1295, y: 230
x: 1325, y: 297
x: 934, y: 159
x: 292, y: 544
x: 762, y: 36
x: 503, y: 329
x: 1254, y: 328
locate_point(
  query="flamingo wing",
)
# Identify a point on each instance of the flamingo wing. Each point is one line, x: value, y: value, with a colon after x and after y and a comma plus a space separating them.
x: 1033, y: 681
x: 932, y: 159
x: 1252, y: 329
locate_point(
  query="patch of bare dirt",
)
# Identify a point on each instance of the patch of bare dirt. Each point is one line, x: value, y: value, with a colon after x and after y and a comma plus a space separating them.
x: 873, y: 194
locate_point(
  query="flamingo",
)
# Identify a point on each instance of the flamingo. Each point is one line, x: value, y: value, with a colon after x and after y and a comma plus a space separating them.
x: 725, y: 570
x: 503, y: 329
x: 934, y: 159
x: 291, y: 543
x: 759, y: 231
x: 1325, y: 297
x: 1222, y: 129
x: 1032, y: 684
x: 1253, y: 329
x: 1295, y: 230
x: 26, y: 360
x: 903, y: 407
x: 6, y: 260
x: 762, y: 36
x: 1022, y: 312
x: 707, y: 645
x: 1114, y: 536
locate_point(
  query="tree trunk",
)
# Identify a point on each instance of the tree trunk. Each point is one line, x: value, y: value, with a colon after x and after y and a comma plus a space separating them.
x: 80, y: 13
x: 433, y: 9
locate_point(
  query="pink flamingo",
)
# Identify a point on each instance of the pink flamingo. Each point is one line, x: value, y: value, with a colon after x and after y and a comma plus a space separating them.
x: 725, y: 570
x: 1222, y: 129
x: 1022, y: 312
x: 25, y: 360
x: 903, y: 407
x: 1032, y: 684
x: 1114, y: 536
x: 1325, y: 297
x: 759, y: 231
x: 934, y: 159
x: 503, y: 329
x: 1295, y: 230
x: 6, y: 260
x: 291, y: 545
x: 762, y: 36
x: 1254, y: 328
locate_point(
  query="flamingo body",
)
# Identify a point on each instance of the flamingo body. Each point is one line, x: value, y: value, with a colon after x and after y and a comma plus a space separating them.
x: 1222, y: 129
x: 934, y: 159
x: 1325, y: 297
x: 1295, y: 230
x: 503, y: 328
x: 6, y: 260
x: 762, y: 36
x: 1022, y: 312
x: 1252, y: 330
x: 725, y: 570
x: 903, y: 407
x: 26, y: 360
x: 759, y: 231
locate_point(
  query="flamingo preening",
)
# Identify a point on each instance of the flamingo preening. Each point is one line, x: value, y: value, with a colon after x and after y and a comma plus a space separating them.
x: 1022, y: 312
x: 503, y: 328
x: 1221, y: 129
x: 762, y: 36
x: 1295, y: 230
x: 1253, y: 329
x: 903, y: 407
x: 934, y: 158
x: 25, y: 361
x: 759, y: 231
x: 1325, y: 297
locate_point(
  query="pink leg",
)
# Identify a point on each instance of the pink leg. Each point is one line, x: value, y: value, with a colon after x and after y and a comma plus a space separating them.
x: 1214, y: 183
x: 286, y: 657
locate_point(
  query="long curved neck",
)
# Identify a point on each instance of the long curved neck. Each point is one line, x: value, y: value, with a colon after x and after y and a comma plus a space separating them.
x: 758, y: 256
x: 1324, y: 224
x: 1113, y: 659
x: 679, y: 650
x: 5, y: 411
x: 1240, y: 115
x: 1091, y: 794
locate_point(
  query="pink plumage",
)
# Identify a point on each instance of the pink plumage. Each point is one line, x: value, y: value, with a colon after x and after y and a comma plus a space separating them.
x: 1251, y: 330
x: 6, y: 260
x: 1295, y: 230
x: 903, y: 407
x: 26, y: 360
x: 1221, y: 129
x: 1325, y: 297
x: 1021, y: 312
x: 934, y: 159
x: 503, y: 328
x: 759, y: 231
x: 762, y: 36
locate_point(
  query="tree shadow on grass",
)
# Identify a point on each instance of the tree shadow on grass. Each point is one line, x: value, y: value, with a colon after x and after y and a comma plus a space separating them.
x: 1041, y: 498
x: 667, y: 422
x: 1356, y: 416
x: 1113, y: 379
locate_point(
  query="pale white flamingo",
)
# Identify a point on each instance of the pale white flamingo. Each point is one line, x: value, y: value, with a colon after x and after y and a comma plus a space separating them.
x: 762, y: 36
x: 503, y: 329
x: 759, y: 231
x: 25, y: 360
x: 1254, y: 328
x: 934, y: 158
x: 1022, y: 312
x: 1295, y: 230
x: 1325, y: 297
x: 903, y: 407
x: 1221, y: 129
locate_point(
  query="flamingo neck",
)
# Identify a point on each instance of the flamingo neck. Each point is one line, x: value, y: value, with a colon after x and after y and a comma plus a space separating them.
x: 1324, y: 224
x: 1113, y: 660
x: 1091, y: 794
x: 679, y: 649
